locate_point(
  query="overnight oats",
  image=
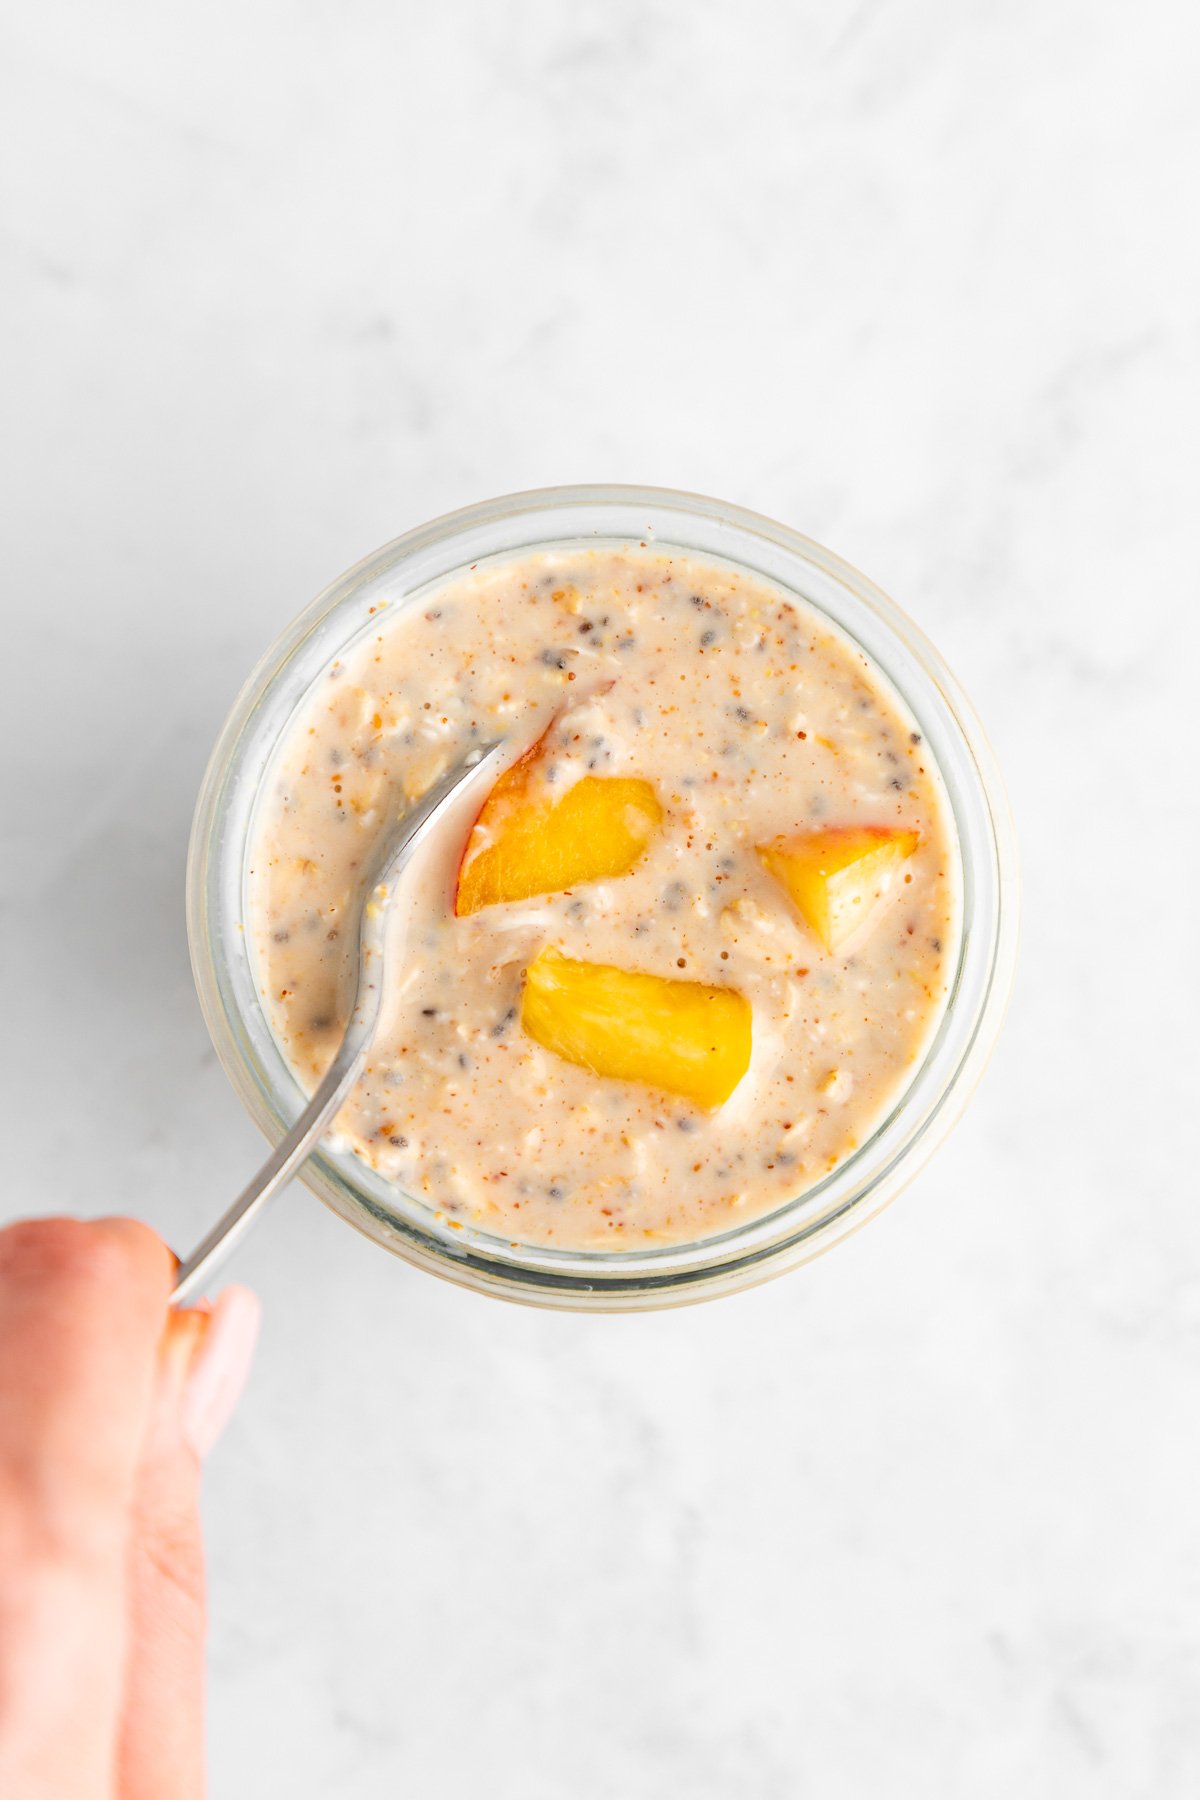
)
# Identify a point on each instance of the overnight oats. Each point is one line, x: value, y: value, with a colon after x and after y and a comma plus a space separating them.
x: 695, y: 945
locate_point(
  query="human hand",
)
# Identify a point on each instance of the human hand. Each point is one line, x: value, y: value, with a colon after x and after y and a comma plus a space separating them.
x: 108, y: 1403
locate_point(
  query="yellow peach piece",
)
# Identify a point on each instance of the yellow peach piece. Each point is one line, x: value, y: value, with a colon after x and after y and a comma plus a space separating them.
x: 678, y: 1035
x: 837, y: 877
x: 524, y: 842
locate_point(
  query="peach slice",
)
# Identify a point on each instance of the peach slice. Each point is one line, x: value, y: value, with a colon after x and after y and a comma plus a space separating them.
x: 525, y: 842
x: 837, y: 877
x: 678, y: 1035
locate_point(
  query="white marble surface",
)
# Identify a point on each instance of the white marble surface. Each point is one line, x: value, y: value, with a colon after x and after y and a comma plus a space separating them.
x: 282, y: 280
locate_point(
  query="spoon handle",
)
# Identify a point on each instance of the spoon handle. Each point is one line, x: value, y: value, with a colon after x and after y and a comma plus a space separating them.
x: 275, y: 1173
x: 379, y: 887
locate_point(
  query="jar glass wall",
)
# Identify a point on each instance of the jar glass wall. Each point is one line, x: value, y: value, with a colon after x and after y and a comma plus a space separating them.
x: 400, y: 574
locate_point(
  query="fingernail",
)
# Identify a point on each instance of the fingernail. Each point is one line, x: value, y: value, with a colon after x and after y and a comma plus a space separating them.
x: 218, y: 1373
x: 178, y: 1350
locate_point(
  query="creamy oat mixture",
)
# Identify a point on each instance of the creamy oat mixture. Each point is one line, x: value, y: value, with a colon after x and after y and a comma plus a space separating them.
x: 752, y: 719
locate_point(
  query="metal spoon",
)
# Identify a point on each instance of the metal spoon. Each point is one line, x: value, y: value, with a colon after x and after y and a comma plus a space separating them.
x: 397, y: 850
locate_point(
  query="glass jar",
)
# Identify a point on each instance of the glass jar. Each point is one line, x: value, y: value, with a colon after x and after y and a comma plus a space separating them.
x: 402, y: 573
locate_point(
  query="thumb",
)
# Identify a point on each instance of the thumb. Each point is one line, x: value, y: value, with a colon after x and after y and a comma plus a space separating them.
x: 204, y: 1359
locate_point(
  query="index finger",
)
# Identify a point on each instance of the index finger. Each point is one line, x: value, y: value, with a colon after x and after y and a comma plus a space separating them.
x: 82, y: 1308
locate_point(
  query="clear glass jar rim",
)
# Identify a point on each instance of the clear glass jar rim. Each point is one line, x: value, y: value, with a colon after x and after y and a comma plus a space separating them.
x: 507, y: 527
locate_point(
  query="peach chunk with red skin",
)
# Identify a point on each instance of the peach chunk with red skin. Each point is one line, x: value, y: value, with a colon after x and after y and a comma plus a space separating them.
x: 527, y: 842
x: 837, y: 878
x: 681, y: 1036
